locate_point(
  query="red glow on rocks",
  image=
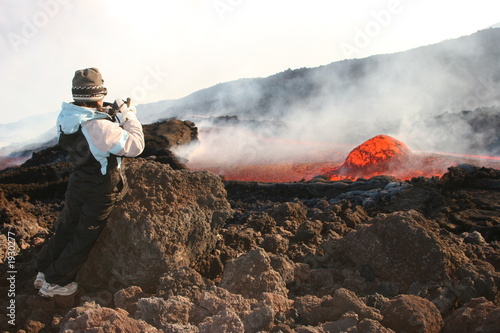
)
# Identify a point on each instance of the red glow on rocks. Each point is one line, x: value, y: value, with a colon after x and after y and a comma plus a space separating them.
x: 385, y: 155
x: 379, y: 154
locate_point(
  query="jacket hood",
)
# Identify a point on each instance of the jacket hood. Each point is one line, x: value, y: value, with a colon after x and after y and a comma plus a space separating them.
x: 72, y: 116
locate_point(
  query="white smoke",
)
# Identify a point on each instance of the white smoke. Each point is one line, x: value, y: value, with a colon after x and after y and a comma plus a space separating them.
x: 352, y: 101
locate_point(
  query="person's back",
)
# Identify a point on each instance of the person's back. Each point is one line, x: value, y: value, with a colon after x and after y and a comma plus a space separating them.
x: 96, y: 145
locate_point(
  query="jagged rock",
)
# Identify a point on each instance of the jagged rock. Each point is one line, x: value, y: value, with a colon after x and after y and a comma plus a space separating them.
x: 275, y: 243
x: 251, y: 275
x: 289, y: 215
x: 317, y: 281
x: 30, y: 310
x: 19, y: 221
x: 174, y: 225
x: 312, y: 310
x: 466, y: 175
x: 261, y: 222
x: 309, y: 232
x: 127, y: 298
x: 411, y: 314
x: 49, y: 155
x: 390, y: 246
x: 346, y: 323
x: 285, y: 192
x: 178, y: 328
x: 41, y: 182
x: 345, y: 300
x: 259, y: 319
x: 473, y: 238
x: 284, y: 266
x: 279, y: 303
x: 161, y: 137
x: 475, y: 280
x: 239, y: 239
x: 217, y: 300
x: 159, y: 312
x: 182, y: 281
x: 479, y: 315
x: 175, y: 132
x: 91, y: 317
x: 225, y: 321
x: 255, y: 316
x: 350, y: 214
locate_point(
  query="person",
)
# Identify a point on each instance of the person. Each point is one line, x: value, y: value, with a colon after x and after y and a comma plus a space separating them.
x: 96, y: 144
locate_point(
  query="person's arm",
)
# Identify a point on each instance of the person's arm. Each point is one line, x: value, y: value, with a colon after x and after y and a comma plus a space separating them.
x: 108, y: 136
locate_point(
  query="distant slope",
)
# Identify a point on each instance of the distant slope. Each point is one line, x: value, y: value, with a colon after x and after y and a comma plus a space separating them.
x: 454, y: 75
x: 34, y: 129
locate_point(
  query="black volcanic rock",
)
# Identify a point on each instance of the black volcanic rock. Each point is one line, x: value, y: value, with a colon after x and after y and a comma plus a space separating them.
x: 160, y: 137
x: 424, y: 256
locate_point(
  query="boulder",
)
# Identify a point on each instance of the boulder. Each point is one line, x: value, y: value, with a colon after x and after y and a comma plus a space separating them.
x: 479, y: 315
x: 312, y: 310
x: 251, y: 275
x: 289, y: 215
x: 225, y: 321
x: 412, y: 314
x: 346, y: 323
x: 345, y: 300
x: 17, y: 219
x: 91, y: 317
x: 161, y: 314
x: 397, y: 247
x: 127, y: 298
x: 275, y: 243
x: 182, y: 281
x: 168, y: 219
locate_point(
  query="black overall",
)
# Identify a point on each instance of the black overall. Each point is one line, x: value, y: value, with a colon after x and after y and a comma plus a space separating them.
x: 90, y: 198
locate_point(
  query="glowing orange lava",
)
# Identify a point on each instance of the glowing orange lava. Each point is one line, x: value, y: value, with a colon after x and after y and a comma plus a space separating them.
x: 385, y: 155
x: 380, y: 155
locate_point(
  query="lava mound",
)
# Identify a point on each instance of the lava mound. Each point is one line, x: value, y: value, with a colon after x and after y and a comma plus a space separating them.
x: 380, y: 154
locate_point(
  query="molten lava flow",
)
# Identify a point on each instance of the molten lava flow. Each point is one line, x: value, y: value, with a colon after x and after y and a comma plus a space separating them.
x: 378, y: 154
x: 381, y: 155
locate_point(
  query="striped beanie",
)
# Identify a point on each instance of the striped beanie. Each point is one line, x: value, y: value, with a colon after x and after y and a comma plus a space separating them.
x: 88, y: 85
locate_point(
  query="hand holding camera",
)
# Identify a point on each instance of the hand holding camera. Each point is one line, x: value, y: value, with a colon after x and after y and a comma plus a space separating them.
x: 124, y: 107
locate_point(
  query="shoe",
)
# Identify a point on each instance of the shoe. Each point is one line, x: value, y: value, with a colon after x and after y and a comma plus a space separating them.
x: 39, y: 280
x: 51, y: 290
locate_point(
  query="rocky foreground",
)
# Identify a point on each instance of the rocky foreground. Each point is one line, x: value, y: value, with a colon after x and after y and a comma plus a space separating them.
x: 187, y: 252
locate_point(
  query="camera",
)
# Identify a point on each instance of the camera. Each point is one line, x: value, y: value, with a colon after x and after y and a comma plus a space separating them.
x: 116, y: 107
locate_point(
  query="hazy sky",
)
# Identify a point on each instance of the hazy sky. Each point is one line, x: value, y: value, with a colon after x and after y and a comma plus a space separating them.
x: 156, y: 50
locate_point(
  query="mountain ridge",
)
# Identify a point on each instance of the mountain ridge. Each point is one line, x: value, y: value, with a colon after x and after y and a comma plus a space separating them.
x: 465, y: 58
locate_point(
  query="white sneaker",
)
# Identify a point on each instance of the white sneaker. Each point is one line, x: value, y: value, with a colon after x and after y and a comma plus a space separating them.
x: 39, y: 280
x: 51, y: 290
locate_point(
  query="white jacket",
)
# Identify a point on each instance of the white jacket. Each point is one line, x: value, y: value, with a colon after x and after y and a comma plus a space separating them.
x: 104, y: 137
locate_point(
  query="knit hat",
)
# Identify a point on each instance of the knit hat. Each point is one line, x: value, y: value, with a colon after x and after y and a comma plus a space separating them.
x: 88, y: 85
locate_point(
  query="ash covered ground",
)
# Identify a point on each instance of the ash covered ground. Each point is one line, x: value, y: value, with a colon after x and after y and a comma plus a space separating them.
x: 187, y: 251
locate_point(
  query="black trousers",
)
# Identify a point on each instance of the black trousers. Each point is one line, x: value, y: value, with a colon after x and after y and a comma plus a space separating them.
x: 88, y: 204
